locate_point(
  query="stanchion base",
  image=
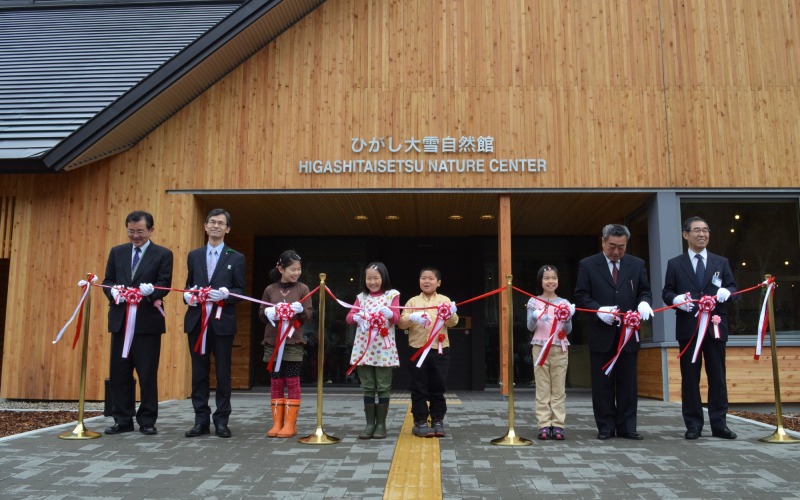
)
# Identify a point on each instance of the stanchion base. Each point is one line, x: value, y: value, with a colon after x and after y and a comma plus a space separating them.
x: 319, y: 437
x: 511, y: 439
x: 79, y: 432
x: 779, y: 436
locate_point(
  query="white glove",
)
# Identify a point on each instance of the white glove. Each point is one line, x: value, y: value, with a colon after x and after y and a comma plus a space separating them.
x: 146, y: 289
x: 362, y: 324
x: 270, y: 314
x: 571, y: 310
x: 679, y: 299
x: 115, y: 293
x: 386, y: 312
x: 453, y: 308
x: 723, y: 294
x: 645, y: 311
x: 187, y: 297
x: 420, y: 318
x: 217, y: 295
x: 537, y: 313
x: 606, y: 315
x: 297, y: 307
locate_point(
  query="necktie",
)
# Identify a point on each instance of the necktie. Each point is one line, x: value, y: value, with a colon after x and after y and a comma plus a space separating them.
x: 137, y: 254
x: 700, y: 270
x: 615, y: 271
x: 212, y: 263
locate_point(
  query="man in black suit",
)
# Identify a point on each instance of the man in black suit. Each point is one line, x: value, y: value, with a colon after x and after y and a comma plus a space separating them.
x: 613, y: 283
x: 139, y: 264
x: 222, y: 268
x: 690, y: 276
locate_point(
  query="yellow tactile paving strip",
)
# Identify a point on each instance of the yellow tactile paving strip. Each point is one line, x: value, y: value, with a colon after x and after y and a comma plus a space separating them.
x: 416, y: 470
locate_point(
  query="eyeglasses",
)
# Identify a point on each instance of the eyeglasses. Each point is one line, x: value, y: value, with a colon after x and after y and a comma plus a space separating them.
x: 700, y: 230
x: 219, y: 223
x: 138, y: 232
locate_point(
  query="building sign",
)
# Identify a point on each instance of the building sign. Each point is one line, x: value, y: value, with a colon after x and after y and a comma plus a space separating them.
x: 388, y: 158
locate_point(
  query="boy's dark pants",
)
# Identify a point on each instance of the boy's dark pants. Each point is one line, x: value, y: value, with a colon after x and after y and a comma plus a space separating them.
x: 428, y: 383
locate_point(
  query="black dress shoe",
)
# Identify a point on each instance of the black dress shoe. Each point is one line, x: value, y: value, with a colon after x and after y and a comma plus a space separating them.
x: 197, y: 430
x: 604, y: 435
x: 223, y: 431
x: 119, y: 429
x: 724, y: 433
x: 692, y: 434
x: 148, y: 430
x: 632, y: 435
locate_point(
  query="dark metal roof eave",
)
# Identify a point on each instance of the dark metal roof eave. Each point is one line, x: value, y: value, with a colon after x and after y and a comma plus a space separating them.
x: 24, y: 166
x: 146, y: 90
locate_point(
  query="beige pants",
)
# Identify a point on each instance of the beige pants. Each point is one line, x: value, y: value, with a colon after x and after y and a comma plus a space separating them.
x: 551, y: 378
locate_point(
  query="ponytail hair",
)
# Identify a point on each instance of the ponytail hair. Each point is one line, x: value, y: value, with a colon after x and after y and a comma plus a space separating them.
x: 286, y: 259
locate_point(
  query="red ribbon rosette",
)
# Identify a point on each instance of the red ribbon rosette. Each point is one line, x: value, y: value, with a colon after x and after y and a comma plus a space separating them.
x: 630, y: 326
x: 133, y: 296
x: 442, y: 314
x: 705, y: 305
x: 561, y: 314
x: 200, y: 297
x: 284, y: 313
x: 376, y: 325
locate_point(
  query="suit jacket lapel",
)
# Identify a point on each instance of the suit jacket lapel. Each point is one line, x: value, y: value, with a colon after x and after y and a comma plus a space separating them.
x: 605, y: 270
x: 127, y: 265
x: 146, y: 258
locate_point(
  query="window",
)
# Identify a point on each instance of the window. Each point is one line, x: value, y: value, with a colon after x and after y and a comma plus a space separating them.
x: 758, y: 238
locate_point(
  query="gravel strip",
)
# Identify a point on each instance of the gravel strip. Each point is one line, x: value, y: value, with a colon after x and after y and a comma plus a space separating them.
x: 27, y: 405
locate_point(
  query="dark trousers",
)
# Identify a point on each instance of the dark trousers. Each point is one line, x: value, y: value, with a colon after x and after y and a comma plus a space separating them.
x: 143, y: 357
x: 615, y: 396
x: 713, y: 351
x: 428, y: 383
x: 221, y: 347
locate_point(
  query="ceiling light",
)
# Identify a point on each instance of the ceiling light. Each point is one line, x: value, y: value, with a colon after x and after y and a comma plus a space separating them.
x: 455, y: 217
x: 361, y: 217
x: 487, y: 217
x: 737, y: 217
x: 392, y: 217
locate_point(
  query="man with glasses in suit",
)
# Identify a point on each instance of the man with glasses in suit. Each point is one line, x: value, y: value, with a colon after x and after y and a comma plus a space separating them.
x: 690, y: 276
x: 144, y: 265
x: 222, y: 269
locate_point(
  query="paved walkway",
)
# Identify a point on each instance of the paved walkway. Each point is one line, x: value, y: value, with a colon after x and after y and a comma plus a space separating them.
x: 250, y: 465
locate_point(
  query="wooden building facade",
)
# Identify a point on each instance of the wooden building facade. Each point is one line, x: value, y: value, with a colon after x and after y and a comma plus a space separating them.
x: 489, y: 135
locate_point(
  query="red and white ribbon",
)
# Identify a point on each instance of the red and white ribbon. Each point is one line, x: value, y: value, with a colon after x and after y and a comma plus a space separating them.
x: 376, y: 326
x: 630, y: 324
x: 705, y: 305
x: 561, y: 314
x: 442, y: 315
x: 286, y: 327
x: 200, y: 297
x: 763, y: 317
x: 132, y: 298
x: 716, y: 320
x: 86, y: 285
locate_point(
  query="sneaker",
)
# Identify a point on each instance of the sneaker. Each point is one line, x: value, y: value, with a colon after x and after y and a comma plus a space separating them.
x: 544, y: 433
x: 558, y: 434
x: 438, y: 428
x: 422, y: 430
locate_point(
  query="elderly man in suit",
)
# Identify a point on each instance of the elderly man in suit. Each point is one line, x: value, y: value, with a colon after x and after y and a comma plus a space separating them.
x: 218, y: 266
x: 613, y: 283
x: 144, y: 265
x: 690, y: 276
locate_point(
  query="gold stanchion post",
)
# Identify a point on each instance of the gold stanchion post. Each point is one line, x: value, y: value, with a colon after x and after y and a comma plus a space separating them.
x: 511, y: 438
x: 319, y: 436
x: 80, y: 431
x: 780, y: 435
